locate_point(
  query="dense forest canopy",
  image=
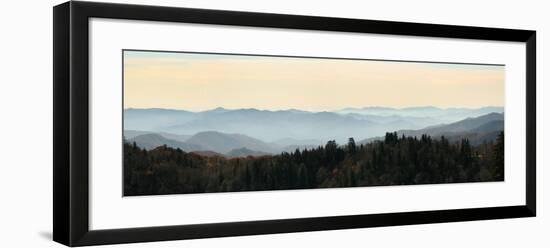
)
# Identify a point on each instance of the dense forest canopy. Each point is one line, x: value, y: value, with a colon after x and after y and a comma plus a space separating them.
x: 395, y: 160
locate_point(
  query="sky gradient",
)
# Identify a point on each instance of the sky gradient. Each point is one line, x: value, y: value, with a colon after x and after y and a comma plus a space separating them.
x: 198, y: 82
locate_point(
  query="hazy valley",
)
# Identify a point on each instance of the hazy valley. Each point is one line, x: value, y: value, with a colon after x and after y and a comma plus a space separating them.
x: 244, y: 132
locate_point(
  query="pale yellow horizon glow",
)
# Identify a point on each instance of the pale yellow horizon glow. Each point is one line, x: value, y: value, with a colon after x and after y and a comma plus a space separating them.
x: 198, y: 82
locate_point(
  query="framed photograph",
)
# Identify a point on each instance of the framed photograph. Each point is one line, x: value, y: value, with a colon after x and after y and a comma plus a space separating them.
x: 177, y: 123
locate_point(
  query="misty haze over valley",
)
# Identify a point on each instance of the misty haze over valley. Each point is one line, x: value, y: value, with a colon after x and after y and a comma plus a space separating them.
x: 253, y: 132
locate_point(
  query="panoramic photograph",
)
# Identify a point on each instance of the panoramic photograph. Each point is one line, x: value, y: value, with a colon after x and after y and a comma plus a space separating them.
x: 207, y: 123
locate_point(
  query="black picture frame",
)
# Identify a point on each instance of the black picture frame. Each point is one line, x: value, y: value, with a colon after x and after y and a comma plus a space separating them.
x: 71, y: 123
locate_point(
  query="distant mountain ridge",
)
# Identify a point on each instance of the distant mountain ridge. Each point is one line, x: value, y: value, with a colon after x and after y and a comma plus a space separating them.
x: 210, y: 143
x: 129, y: 134
x: 224, y: 143
x: 477, y: 130
x: 271, y: 126
x: 213, y: 143
x: 153, y: 140
x: 465, y: 125
x: 446, y: 114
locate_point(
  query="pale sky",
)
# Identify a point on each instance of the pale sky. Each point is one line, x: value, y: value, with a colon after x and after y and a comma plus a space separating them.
x: 199, y: 82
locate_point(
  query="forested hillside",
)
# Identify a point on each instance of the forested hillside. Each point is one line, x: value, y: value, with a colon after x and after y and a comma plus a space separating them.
x: 395, y: 160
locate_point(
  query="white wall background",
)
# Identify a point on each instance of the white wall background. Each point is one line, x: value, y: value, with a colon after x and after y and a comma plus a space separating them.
x: 26, y: 123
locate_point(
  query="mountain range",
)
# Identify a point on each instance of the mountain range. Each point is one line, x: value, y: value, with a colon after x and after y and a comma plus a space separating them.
x: 443, y: 114
x: 477, y: 130
x: 217, y: 143
x: 284, y: 125
x: 214, y: 143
